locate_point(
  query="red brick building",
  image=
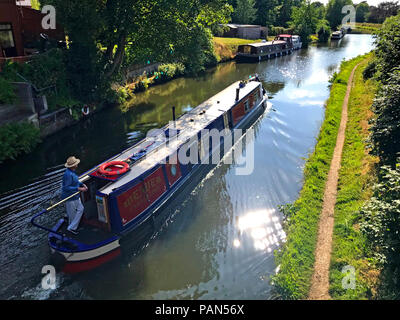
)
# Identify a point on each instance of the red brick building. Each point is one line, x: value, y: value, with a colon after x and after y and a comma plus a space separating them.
x: 20, y: 28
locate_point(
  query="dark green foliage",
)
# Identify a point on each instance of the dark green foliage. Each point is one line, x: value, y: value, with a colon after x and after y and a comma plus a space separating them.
x: 334, y: 12
x: 169, y: 71
x: 45, y: 71
x: 362, y: 11
x: 370, y: 70
x: 388, y: 48
x: 7, y: 94
x: 304, y: 21
x: 381, y: 215
x: 280, y: 30
x: 386, y: 125
x: 323, y: 31
x: 381, y: 225
x: 245, y: 12
x: 384, y: 10
x: 17, y: 138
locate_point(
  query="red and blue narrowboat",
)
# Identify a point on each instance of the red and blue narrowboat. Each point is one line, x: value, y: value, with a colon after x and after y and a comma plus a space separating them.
x: 131, y: 187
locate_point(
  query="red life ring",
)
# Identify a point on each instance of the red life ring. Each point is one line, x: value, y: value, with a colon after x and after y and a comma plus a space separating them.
x: 114, y: 171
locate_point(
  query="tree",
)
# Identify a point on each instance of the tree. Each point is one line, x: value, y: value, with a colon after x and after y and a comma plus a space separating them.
x: 382, y: 11
x: 362, y: 10
x: 386, y: 125
x: 304, y: 21
x: 388, y: 48
x: 323, y: 31
x: 106, y: 34
x: 266, y: 12
x: 334, y: 12
x: 245, y: 11
x: 381, y: 225
x: 284, y: 11
x: 320, y: 8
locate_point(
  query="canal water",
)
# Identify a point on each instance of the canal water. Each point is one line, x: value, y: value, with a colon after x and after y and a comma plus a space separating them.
x: 218, y: 243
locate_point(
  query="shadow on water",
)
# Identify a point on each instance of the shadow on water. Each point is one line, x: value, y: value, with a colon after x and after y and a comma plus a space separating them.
x: 219, y: 241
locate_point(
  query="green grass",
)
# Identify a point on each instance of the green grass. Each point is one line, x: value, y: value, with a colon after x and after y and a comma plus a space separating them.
x: 296, y: 257
x: 355, y: 181
x: 226, y: 48
x: 367, y: 28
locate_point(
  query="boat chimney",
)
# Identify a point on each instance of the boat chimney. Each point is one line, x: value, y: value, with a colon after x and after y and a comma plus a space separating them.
x: 173, y: 115
x: 237, y: 94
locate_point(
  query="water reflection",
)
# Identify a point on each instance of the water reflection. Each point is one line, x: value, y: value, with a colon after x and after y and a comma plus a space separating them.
x: 264, y: 228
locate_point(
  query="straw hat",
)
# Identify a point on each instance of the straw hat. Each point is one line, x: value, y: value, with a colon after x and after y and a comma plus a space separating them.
x: 72, y: 162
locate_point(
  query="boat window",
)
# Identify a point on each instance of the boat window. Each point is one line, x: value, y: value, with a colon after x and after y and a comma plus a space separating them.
x: 247, y: 49
x: 246, y: 106
x: 7, y: 40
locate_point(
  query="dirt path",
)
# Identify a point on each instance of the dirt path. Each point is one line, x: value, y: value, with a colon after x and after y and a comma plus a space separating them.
x: 320, y: 279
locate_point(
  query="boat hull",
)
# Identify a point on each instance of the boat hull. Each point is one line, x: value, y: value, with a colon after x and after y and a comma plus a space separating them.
x: 243, y: 57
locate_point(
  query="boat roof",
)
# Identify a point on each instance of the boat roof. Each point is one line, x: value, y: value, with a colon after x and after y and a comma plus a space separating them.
x: 188, y: 126
x: 285, y: 35
x: 263, y: 44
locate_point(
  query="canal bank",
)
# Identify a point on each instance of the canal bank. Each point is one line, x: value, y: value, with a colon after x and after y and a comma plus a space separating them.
x: 297, y: 259
x: 219, y: 242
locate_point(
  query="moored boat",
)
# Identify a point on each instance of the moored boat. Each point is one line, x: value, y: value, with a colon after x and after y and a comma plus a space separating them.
x: 129, y: 189
x: 282, y: 44
x: 337, y: 35
x: 297, y: 44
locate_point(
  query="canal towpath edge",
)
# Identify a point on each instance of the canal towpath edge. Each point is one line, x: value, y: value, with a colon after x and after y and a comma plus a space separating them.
x: 320, y: 280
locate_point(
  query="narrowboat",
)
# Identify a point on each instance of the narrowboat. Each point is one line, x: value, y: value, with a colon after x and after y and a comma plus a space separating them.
x: 132, y: 187
x: 282, y: 44
x: 337, y: 35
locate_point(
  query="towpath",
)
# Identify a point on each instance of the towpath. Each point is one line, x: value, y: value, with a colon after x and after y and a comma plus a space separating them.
x: 320, y: 279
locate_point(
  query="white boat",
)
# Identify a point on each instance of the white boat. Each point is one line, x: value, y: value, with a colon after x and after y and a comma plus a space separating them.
x: 296, y: 40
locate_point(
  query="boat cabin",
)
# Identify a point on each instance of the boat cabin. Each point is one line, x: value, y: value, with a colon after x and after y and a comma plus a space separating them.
x: 285, y: 37
x: 262, y: 48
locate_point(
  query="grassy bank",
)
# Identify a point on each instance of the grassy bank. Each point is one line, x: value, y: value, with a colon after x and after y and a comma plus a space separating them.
x: 226, y: 48
x: 367, y: 28
x: 354, y: 188
x: 296, y: 257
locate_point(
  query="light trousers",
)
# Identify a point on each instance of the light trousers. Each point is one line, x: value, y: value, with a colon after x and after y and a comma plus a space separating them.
x: 74, y: 212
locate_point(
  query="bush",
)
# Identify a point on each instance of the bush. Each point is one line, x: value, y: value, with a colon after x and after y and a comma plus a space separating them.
x: 7, y: 94
x: 274, y: 31
x: 46, y: 70
x: 369, y: 70
x: 381, y: 225
x: 323, y: 31
x: 386, y: 125
x: 388, y: 47
x: 169, y: 71
x: 17, y: 138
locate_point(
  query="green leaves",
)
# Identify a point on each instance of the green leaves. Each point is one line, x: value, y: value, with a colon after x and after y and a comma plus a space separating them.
x: 304, y: 21
x: 245, y: 12
x: 386, y: 125
x: 334, y: 12
x: 7, y: 95
x: 17, y: 138
x: 388, y: 48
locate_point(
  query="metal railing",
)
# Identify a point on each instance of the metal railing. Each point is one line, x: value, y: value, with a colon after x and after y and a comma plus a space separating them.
x: 47, y: 210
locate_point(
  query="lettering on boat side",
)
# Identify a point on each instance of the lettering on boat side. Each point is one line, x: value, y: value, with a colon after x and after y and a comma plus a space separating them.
x: 134, y: 201
x: 201, y: 149
x: 204, y: 309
